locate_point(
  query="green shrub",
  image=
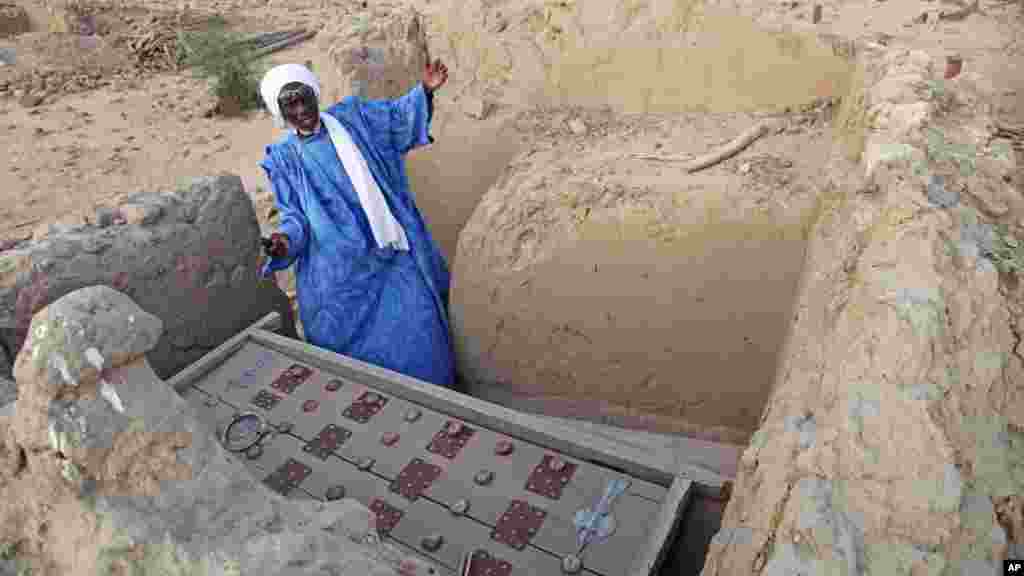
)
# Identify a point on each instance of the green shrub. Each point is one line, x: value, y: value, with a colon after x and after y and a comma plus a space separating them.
x: 217, y: 55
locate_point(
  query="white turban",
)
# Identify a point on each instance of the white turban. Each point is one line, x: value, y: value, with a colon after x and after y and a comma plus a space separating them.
x: 276, y: 79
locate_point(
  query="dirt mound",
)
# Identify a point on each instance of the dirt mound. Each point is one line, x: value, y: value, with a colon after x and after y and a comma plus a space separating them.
x: 895, y: 420
x: 598, y: 244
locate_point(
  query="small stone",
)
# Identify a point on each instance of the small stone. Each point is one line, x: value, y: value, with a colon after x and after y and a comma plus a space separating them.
x: 556, y: 464
x: 336, y: 492
x: 32, y: 99
x: 577, y: 127
x: 412, y: 415
x: 504, y: 448
x: 432, y: 543
x: 333, y: 385
x: 571, y: 564
x: 454, y: 428
x: 389, y: 438
x: 310, y: 406
x: 460, y: 507
x: 483, y: 477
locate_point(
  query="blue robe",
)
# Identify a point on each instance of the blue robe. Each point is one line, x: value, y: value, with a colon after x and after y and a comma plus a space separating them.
x: 381, y: 306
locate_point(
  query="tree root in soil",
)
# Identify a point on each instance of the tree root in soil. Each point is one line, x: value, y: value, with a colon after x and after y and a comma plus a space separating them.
x: 734, y: 147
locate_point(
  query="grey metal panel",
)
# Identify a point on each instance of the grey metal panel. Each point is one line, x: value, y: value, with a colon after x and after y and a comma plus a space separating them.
x: 232, y: 381
x: 545, y: 431
x: 359, y: 485
x: 635, y: 541
x: 634, y: 520
x: 187, y: 377
x: 637, y: 487
x: 277, y: 449
x: 462, y: 535
x: 487, y: 503
x: 214, y: 417
x: 664, y: 528
x: 307, y: 425
x: 558, y: 534
x: 412, y: 440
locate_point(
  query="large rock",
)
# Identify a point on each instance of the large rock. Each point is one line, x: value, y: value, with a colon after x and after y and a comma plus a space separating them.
x: 116, y: 475
x: 189, y: 257
x: 894, y: 440
x: 590, y: 283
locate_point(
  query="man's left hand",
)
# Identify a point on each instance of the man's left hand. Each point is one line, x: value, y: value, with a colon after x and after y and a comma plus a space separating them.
x: 435, y: 74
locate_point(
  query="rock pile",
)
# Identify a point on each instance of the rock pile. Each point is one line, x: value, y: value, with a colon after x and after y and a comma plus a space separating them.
x: 32, y: 88
x: 92, y: 47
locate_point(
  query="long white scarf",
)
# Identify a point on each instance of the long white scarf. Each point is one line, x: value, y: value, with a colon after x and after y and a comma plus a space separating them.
x: 386, y: 229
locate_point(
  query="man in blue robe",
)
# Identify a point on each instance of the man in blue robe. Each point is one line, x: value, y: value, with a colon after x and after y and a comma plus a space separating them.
x: 372, y: 284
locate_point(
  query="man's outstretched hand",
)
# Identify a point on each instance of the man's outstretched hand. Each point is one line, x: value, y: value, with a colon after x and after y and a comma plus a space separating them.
x: 435, y: 74
x: 277, y: 246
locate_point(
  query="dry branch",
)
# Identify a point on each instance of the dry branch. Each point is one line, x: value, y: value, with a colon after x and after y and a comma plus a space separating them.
x: 727, y: 151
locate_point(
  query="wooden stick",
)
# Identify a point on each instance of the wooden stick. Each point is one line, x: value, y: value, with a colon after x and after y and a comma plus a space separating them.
x: 656, y: 158
x: 734, y: 147
x: 731, y: 149
x: 26, y: 223
x: 958, y: 15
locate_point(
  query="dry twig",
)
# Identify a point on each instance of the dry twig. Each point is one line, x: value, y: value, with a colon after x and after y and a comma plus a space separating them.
x: 727, y: 151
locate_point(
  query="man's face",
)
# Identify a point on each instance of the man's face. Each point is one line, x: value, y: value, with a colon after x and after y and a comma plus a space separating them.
x: 299, y: 107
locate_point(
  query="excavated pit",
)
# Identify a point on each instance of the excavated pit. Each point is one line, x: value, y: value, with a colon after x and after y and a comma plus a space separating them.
x: 596, y: 278
x: 593, y: 277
